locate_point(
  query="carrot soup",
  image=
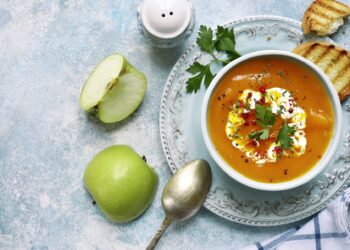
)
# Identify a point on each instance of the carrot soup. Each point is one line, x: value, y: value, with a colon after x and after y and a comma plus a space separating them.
x: 270, y: 119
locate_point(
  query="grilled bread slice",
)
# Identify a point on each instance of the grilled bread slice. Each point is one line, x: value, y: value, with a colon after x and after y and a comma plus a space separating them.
x: 324, y: 17
x: 333, y: 60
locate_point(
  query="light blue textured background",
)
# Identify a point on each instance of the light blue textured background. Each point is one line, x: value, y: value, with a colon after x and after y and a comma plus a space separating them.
x: 47, y: 49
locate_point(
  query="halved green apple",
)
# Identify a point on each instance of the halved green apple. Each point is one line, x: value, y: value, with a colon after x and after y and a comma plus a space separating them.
x: 113, y: 90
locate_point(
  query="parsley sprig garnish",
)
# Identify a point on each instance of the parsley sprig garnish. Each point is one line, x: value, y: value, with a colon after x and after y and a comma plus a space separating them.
x: 222, y: 50
x: 264, y: 116
x: 260, y: 135
x: 266, y: 119
x: 284, y: 136
x: 202, y: 71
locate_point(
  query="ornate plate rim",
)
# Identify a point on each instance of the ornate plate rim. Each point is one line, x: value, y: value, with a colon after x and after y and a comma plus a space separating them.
x: 170, y: 161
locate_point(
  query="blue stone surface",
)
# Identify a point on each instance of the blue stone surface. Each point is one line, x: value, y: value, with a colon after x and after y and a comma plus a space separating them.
x: 47, y: 50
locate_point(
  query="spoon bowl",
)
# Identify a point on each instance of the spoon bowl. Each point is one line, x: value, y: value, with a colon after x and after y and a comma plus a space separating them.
x: 186, y: 191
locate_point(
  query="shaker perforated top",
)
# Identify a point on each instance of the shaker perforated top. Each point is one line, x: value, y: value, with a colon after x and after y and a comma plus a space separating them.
x: 166, y: 18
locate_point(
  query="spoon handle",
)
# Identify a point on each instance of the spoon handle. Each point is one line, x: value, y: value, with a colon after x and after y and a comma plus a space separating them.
x: 165, y: 224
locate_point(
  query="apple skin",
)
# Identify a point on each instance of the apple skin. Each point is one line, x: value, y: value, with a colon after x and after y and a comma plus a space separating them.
x: 121, y: 183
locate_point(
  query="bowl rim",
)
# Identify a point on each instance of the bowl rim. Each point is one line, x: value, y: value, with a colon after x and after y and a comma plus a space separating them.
x: 332, y: 145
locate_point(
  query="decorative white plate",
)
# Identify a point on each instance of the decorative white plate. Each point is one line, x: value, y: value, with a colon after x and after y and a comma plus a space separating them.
x: 182, y: 139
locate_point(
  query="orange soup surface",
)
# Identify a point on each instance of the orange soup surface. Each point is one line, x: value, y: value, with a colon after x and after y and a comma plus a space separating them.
x: 270, y: 119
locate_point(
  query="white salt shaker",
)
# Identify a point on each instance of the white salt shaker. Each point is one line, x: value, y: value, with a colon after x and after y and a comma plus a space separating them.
x: 166, y: 23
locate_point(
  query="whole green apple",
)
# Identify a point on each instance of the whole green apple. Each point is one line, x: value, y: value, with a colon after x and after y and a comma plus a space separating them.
x: 121, y: 183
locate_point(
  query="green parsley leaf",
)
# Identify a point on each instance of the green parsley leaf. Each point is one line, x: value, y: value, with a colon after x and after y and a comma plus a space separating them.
x: 195, y: 68
x: 226, y: 43
x: 284, y: 136
x: 225, y: 39
x: 231, y: 55
x: 194, y: 83
x: 260, y: 135
x: 264, y: 116
x: 223, y: 44
x: 205, y: 39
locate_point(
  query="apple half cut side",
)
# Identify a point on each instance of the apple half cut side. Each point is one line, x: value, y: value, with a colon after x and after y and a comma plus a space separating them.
x: 113, y: 90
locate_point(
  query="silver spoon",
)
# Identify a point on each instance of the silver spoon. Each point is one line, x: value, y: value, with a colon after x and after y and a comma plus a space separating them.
x: 184, y: 195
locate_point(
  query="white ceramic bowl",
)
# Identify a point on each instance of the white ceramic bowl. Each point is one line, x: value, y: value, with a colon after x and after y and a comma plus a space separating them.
x: 332, y: 144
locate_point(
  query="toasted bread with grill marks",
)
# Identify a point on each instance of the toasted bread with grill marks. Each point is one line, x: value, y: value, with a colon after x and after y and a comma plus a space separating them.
x: 333, y: 60
x: 324, y: 17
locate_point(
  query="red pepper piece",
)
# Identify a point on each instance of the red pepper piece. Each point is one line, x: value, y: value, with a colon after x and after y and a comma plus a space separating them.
x: 262, y: 89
